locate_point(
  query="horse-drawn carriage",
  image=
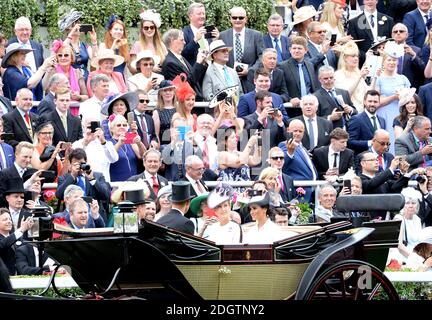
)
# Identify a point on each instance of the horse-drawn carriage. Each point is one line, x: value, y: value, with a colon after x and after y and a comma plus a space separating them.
x: 320, y: 262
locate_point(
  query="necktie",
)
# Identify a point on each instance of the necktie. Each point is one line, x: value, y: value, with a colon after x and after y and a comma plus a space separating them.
x: 81, y: 183
x: 303, y: 90
x: 335, y: 155
x: 381, y: 162
x: 353, y: 4
x: 200, y: 187
x: 265, y: 123
x: 144, y: 130
x: 27, y: 119
x: 184, y: 62
x: 238, y: 48
x: 372, y: 21
x: 64, y: 121
x: 280, y: 182
x: 155, y: 185
x: 311, y: 134
x: 278, y: 50
x: 227, y: 76
x: 400, y: 65
x: 21, y: 173
x: 205, y: 155
x: 374, y: 123
x: 421, y: 146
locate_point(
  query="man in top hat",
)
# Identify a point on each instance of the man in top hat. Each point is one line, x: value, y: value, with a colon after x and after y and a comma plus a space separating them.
x: 180, y: 199
x: 369, y: 26
x: 137, y: 197
x: 14, y: 195
x: 218, y: 75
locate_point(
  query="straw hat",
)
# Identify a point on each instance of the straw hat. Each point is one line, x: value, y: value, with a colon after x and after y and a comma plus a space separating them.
x: 405, y: 95
x: 11, y: 49
x: 145, y: 54
x: 107, y: 54
x: 304, y: 13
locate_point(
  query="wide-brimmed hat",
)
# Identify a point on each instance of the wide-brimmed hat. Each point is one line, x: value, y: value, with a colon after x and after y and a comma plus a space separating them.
x: 118, y: 194
x: 180, y: 191
x: 145, y: 54
x: 222, y: 94
x: 151, y: 15
x: 217, y: 45
x: 136, y: 196
x: 262, y: 200
x: 380, y: 41
x: 11, y: 49
x: 195, y: 204
x: 69, y: 19
x: 166, y: 84
x: 405, y: 95
x: 304, y: 13
x: 130, y: 97
x: 106, y: 54
x: 394, y: 50
x: 165, y: 190
x: 220, y: 194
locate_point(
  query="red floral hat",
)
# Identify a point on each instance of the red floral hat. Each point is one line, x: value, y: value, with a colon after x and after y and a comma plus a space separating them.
x: 183, y: 87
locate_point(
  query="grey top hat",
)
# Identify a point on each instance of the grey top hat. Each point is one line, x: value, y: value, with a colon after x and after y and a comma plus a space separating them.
x: 180, y: 191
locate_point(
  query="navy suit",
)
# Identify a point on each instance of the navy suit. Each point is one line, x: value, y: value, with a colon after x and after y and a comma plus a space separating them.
x: 150, y: 128
x: 190, y: 49
x: 360, y: 131
x: 416, y: 28
x: 14, y: 123
x: 325, y: 127
x: 9, y: 154
x: 277, y: 83
x: 298, y: 167
x: 425, y: 95
x: 413, y: 68
x: 91, y: 223
x: 288, y: 192
x: 47, y: 104
x: 26, y: 261
x: 284, y: 44
x: 74, y: 128
x: 247, y: 105
x: 317, y: 58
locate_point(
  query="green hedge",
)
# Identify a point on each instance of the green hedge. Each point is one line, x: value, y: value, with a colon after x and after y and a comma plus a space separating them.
x: 173, y: 12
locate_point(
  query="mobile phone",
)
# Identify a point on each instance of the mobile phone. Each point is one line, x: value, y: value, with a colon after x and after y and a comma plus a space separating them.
x: 228, y: 100
x: 209, y: 30
x: 94, y: 125
x: 7, y: 136
x: 48, y: 174
x: 88, y: 200
x: 333, y: 39
x: 183, y: 130
x: 130, y: 117
x: 347, y: 184
x: 130, y: 136
x: 86, y: 28
x: 289, y: 136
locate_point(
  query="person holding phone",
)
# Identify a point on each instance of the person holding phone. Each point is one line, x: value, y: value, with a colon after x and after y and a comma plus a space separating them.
x: 145, y: 79
x: 332, y: 19
x: 129, y: 152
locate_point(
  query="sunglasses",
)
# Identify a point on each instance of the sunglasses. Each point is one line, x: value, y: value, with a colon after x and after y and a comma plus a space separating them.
x: 398, y: 31
x: 238, y: 18
x: 277, y: 158
x: 146, y: 28
x: 61, y: 55
x: 144, y: 100
x: 147, y: 64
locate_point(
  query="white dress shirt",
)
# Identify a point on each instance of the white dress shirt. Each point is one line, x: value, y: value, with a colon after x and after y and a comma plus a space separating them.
x: 242, y: 41
x: 375, y: 18
x: 315, y: 128
x: 331, y: 157
x: 194, y: 184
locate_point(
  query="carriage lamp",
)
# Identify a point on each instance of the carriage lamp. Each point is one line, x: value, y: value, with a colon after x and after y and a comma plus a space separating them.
x: 126, y: 219
x: 43, y: 227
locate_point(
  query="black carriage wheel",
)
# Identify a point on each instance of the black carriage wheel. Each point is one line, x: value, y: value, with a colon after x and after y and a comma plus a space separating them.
x: 341, y: 282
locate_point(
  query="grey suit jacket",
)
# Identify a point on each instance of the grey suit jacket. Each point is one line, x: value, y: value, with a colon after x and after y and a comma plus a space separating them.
x: 405, y: 145
x: 214, y: 81
x: 253, y: 46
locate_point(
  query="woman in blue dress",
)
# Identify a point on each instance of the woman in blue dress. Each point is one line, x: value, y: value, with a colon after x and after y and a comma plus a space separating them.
x: 130, y: 149
x: 388, y: 84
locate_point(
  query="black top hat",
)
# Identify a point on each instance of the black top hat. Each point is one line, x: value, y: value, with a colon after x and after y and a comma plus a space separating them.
x: 135, y: 196
x: 180, y: 191
x: 14, y: 186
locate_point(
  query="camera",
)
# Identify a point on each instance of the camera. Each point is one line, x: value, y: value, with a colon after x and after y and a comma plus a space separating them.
x: 84, y: 166
x: 421, y: 179
x: 94, y: 125
x: 254, y: 193
x: 239, y: 68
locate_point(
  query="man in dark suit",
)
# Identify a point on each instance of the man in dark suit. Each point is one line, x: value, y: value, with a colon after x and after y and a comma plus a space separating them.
x: 7, y: 156
x: 379, y: 147
x: 336, y: 158
x: 26, y: 260
x: 298, y: 164
x: 299, y: 73
x: 47, y: 104
x: 334, y: 104
x: 318, y: 129
x: 277, y: 79
x: 20, y: 121
x: 92, y: 183
x: 67, y: 128
x: 362, y: 127
x: 425, y: 95
x: 35, y: 58
x: 247, y: 105
x: 174, y: 64
x: 369, y: 26
x: 152, y: 163
x: 275, y: 39
x: 143, y: 118
x: 276, y: 160
x: 194, y: 175
x: 410, y: 64
x: 267, y: 120
x: 194, y: 34
x: 319, y: 51
x: 79, y: 214
x: 416, y: 23
x: 247, y: 43
x: 5, y: 103
x: 180, y: 199
x: 415, y: 145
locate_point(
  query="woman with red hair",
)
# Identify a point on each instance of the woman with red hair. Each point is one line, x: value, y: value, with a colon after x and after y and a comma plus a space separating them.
x: 186, y: 101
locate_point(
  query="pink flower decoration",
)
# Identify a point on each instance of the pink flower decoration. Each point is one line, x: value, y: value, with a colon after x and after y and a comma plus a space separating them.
x: 300, y: 191
x: 49, y: 195
x: 111, y: 117
x: 56, y: 45
x: 234, y: 197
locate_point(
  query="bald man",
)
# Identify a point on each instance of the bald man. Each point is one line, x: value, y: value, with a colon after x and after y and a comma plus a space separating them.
x: 379, y: 147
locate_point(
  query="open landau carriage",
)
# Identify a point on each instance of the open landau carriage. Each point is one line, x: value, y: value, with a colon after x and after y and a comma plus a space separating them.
x: 333, y: 261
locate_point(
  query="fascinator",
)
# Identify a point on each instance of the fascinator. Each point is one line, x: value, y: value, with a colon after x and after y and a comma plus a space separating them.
x: 405, y: 95
x: 151, y: 15
x: 69, y: 19
x: 183, y: 87
x: 222, y: 94
x: 56, y: 45
x: 220, y: 194
x: 394, y: 50
x: 112, y: 18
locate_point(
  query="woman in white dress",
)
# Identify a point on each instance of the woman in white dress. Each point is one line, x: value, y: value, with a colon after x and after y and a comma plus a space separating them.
x: 420, y: 259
